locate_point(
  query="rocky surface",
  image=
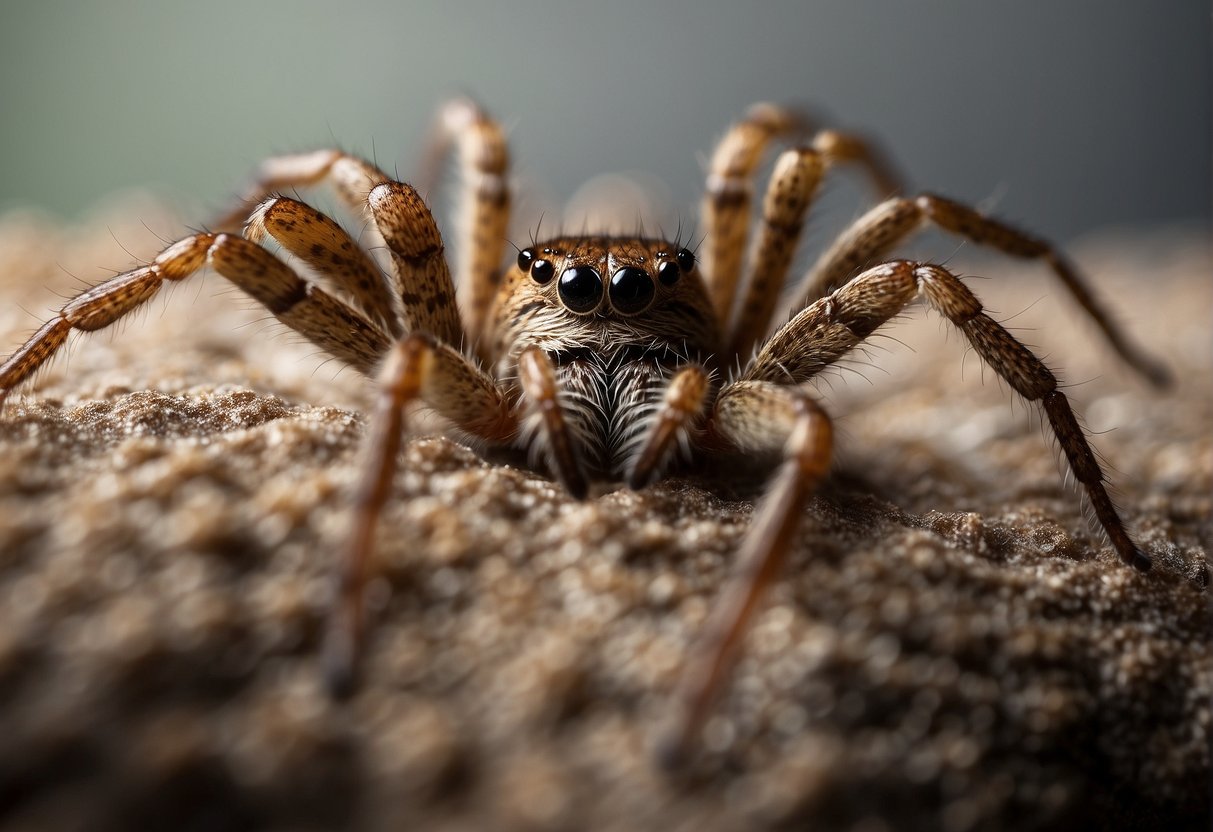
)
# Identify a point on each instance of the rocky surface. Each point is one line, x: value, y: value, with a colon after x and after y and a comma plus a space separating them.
x: 953, y: 647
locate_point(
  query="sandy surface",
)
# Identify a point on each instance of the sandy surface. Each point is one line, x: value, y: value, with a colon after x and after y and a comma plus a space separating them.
x: 953, y: 649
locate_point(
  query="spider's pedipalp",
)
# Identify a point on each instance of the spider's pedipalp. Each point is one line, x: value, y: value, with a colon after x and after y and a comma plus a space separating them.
x: 876, y: 233
x: 684, y: 402
x: 537, y: 378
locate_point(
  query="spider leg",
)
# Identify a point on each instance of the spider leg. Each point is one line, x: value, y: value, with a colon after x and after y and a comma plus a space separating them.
x: 537, y: 378
x: 753, y: 417
x: 684, y: 402
x: 334, y: 256
x: 790, y: 192
x: 427, y: 294
x: 418, y: 368
x: 829, y: 328
x: 484, y: 202
x: 321, y: 318
x: 352, y: 178
x: 875, y: 234
x: 725, y: 210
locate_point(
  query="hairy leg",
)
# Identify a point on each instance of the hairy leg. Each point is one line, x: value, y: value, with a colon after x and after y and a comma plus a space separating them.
x: 324, y: 320
x: 334, y: 256
x: 352, y: 179
x: 537, y: 378
x: 875, y: 234
x: 829, y: 328
x: 790, y: 193
x: 684, y: 402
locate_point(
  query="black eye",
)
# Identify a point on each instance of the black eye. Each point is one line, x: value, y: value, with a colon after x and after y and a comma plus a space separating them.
x: 580, y: 288
x: 631, y: 290
x: 542, y: 271
x: 525, y: 258
x: 686, y: 260
x: 668, y: 272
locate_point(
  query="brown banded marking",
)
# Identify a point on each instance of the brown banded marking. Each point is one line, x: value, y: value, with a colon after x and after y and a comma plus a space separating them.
x: 832, y: 326
x: 874, y: 236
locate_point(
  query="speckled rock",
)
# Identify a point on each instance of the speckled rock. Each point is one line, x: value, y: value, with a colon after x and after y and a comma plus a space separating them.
x: 953, y: 648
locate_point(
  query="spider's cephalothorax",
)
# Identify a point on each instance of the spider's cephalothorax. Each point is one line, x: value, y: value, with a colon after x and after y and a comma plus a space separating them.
x: 602, y: 353
x: 616, y: 317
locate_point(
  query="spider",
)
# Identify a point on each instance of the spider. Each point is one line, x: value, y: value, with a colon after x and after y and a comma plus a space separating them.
x: 605, y: 355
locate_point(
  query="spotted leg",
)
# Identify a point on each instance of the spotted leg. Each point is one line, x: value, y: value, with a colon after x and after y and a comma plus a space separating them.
x: 875, y: 234
x: 752, y: 417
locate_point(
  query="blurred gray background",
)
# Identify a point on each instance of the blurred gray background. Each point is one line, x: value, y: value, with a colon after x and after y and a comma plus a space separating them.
x: 1066, y: 117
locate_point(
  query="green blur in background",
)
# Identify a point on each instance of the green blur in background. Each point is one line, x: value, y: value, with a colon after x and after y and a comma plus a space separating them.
x: 1064, y: 116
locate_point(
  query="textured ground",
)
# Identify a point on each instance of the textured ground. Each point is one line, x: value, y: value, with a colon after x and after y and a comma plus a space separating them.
x: 953, y: 649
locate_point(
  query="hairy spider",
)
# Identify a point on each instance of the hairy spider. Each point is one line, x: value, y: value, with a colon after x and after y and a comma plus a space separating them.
x: 604, y: 353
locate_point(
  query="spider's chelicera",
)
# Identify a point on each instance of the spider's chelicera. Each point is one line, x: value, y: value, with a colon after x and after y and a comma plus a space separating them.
x: 605, y: 353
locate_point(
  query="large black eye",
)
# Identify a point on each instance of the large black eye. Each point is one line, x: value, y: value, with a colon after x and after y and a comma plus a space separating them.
x: 668, y: 272
x: 581, y: 288
x: 686, y: 260
x: 542, y: 271
x: 631, y: 290
x: 525, y: 258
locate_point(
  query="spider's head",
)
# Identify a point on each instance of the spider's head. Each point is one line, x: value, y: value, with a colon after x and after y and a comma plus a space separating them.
x: 600, y: 292
x: 592, y: 276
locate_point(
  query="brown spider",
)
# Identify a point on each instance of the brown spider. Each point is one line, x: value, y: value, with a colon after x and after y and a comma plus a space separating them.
x: 604, y: 352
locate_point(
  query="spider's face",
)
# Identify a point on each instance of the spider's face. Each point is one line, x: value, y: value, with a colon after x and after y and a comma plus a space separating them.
x: 606, y: 276
x: 603, y: 292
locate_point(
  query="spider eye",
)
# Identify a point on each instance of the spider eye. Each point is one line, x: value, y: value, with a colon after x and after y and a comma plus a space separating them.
x: 631, y: 290
x: 580, y: 288
x: 668, y: 272
x: 525, y: 258
x: 542, y: 271
x: 686, y: 260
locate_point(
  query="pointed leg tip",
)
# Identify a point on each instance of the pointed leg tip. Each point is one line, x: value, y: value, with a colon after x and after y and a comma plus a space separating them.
x: 1141, y: 561
x: 340, y: 669
x: 340, y: 683
x: 672, y: 754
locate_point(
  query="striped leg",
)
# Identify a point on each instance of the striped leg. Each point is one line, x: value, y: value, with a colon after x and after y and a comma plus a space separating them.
x: 483, y: 206
x: 725, y: 210
x: 873, y: 237
x: 352, y: 178
x: 794, y: 183
x: 332, y: 254
x: 321, y: 318
x: 828, y: 329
